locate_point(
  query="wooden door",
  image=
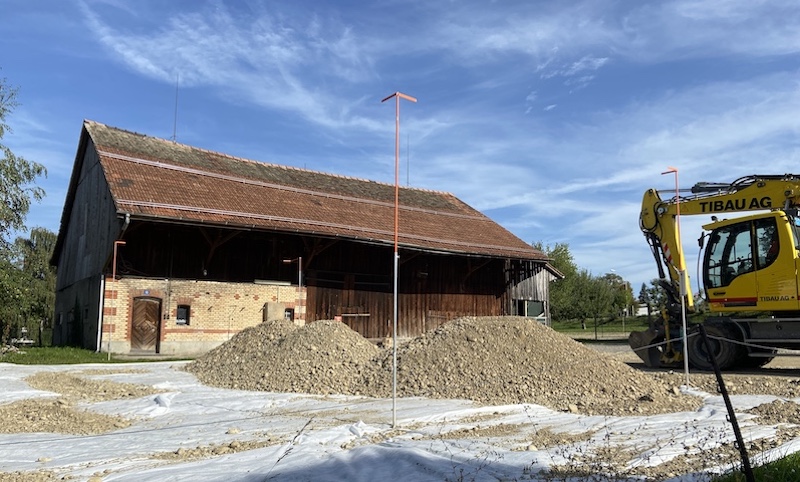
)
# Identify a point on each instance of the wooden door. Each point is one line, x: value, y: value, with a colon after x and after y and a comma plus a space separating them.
x: 144, y: 326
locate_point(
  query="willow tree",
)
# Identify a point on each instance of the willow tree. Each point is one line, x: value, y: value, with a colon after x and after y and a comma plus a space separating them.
x: 17, y: 191
x: 17, y: 175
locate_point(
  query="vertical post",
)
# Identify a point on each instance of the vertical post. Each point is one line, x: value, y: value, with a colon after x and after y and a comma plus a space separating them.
x: 117, y: 243
x: 300, y: 287
x: 299, y: 261
x: 396, y: 256
x: 681, y: 274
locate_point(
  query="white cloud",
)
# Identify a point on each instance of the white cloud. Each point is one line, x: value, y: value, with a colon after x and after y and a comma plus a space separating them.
x: 554, y: 118
x: 264, y: 60
x: 699, y: 28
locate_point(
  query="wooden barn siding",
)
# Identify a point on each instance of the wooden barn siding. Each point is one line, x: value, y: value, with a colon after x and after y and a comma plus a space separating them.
x: 535, y: 284
x: 341, y: 278
x: 93, y: 225
x: 417, y: 313
x: 432, y: 290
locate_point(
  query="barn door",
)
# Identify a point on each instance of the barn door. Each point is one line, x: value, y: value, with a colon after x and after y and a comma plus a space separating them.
x: 144, y: 327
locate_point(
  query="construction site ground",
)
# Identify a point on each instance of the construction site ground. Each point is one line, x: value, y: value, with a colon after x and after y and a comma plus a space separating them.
x: 491, y: 362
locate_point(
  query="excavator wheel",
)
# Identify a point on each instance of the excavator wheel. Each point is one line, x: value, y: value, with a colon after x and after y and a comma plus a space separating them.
x: 639, y: 339
x: 727, y: 354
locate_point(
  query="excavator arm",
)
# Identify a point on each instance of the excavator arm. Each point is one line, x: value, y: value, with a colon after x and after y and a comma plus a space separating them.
x: 659, y: 221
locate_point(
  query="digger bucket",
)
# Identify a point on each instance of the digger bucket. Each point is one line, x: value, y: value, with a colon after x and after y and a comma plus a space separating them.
x: 639, y: 341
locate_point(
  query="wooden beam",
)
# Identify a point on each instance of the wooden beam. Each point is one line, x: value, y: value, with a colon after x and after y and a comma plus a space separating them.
x: 215, y: 243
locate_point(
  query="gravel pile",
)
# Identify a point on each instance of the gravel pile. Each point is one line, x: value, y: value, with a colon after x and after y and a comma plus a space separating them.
x: 323, y: 357
x: 492, y: 360
x: 240, y: 362
x: 513, y: 360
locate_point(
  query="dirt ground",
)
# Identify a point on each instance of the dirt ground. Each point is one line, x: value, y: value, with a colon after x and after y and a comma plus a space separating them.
x: 489, y: 360
x: 622, y: 352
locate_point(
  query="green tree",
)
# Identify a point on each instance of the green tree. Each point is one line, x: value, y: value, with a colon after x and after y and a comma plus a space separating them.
x: 563, y: 291
x: 11, y: 295
x: 17, y: 190
x: 622, y: 296
x: 40, y: 281
x: 601, y: 296
x: 27, y: 287
x: 17, y: 174
x: 580, y: 295
x: 644, y: 298
x: 656, y: 295
x: 560, y: 257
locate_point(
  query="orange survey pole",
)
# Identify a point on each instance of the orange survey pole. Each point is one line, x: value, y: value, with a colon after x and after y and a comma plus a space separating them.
x: 397, y: 96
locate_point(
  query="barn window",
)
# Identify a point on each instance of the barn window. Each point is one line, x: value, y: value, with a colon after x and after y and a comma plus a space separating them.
x: 182, y: 314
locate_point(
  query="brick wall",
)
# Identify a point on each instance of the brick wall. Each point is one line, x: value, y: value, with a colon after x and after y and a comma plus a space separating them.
x: 216, y: 311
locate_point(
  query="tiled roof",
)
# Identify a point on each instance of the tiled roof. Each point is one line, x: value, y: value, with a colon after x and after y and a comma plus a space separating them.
x: 159, y: 179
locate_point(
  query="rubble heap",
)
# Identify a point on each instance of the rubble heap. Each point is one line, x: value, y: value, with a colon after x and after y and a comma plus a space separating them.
x: 491, y: 360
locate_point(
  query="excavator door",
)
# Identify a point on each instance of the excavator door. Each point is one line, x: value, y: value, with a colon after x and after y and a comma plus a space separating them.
x: 750, y: 264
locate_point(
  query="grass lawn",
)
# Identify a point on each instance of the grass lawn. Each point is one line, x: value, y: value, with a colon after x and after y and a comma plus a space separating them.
x: 786, y: 469
x: 64, y: 355
x: 617, y: 329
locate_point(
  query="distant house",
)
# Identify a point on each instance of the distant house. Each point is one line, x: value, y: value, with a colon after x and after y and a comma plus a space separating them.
x: 167, y: 248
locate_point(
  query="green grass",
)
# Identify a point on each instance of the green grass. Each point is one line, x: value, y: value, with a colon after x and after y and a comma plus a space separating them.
x: 63, y: 355
x: 786, y: 469
x: 615, y: 328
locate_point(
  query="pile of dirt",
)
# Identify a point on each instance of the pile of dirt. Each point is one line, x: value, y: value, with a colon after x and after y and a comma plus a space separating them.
x: 65, y: 414
x: 492, y: 360
x: 79, y: 389
x: 513, y: 360
x: 325, y: 357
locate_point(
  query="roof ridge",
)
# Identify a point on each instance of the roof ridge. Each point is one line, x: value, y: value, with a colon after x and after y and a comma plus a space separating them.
x: 269, y: 164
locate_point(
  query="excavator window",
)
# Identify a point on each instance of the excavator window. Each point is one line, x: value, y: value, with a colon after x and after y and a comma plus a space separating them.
x: 796, y: 230
x: 740, y: 248
x: 767, y: 242
x: 729, y: 254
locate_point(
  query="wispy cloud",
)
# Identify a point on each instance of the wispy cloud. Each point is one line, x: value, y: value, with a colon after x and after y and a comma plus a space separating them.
x: 551, y: 117
x: 263, y: 60
x: 694, y: 29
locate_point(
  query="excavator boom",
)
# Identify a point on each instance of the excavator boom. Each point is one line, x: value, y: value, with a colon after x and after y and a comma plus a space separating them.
x: 743, y: 251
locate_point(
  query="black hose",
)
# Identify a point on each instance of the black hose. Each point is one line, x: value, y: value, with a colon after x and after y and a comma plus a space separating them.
x: 748, y: 471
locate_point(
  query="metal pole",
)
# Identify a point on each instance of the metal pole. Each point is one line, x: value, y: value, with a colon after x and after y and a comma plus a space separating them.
x: 396, y: 257
x: 682, y: 274
x: 299, y: 261
x: 299, y: 285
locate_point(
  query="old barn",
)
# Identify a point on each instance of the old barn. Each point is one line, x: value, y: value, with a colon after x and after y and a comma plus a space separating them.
x: 167, y: 248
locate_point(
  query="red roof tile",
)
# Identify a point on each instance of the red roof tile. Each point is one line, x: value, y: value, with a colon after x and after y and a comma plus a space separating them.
x: 156, y: 178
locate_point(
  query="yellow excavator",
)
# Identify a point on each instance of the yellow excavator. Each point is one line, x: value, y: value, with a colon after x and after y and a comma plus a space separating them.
x: 750, y: 267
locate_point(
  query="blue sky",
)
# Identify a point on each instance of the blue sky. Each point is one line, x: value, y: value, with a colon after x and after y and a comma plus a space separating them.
x: 552, y: 118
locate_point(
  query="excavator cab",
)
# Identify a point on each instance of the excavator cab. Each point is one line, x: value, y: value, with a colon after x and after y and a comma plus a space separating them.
x: 750, y: 263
